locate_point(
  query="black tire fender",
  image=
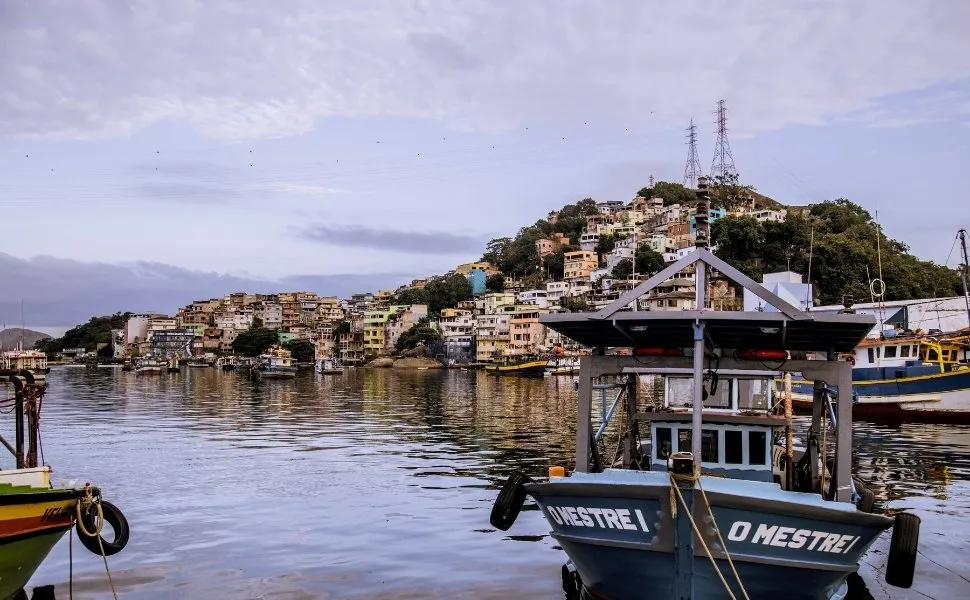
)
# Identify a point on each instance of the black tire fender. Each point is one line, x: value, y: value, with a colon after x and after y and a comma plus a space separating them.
x: 113, y: 517
x: 901, y: 565
x: 509, y: 501
x: 867, y: 499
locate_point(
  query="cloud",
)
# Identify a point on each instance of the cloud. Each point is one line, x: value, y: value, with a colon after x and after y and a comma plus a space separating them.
x: 60, y: 292
x: 308, y: 190
x: 248, y: 70
x: 392, y: 240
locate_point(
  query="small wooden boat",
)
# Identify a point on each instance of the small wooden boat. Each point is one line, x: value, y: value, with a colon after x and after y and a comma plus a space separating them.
x: 34, y: 513
x: 529, y: 365
x: 329, y: 366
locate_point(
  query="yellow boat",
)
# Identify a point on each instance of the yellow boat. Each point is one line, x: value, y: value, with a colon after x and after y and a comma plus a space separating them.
x: 528, y: 364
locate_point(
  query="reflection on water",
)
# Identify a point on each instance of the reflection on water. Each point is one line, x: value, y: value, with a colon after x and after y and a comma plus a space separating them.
x: 378, y: 484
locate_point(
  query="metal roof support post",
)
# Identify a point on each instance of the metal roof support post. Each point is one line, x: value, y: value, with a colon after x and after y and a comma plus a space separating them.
x: 697, y: 407
x: 584, y: 408
x: 843, y: 440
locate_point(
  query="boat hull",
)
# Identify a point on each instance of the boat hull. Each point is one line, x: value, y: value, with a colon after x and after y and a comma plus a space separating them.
x: 530, y: 369
x: 938, y: 397
x: 32, y: 521
x: 276, y: 373
x: 618, y: 529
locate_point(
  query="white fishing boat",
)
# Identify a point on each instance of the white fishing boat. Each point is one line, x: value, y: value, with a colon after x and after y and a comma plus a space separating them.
x: 329, y: 366
x: 563, y: 366
x: 275, y: 363
x: 151, y: 365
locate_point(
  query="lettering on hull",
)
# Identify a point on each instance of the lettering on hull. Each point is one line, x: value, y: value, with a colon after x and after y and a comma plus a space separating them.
x: 601, y: 518
x: 792, y: 537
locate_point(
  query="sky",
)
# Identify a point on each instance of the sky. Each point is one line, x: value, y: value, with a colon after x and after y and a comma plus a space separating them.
x: 157, y: 152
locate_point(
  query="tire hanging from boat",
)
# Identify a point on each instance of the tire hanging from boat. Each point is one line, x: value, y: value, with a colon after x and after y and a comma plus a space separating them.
x: 509, y: 501
x: 901, y: 564
x: 89, y: 533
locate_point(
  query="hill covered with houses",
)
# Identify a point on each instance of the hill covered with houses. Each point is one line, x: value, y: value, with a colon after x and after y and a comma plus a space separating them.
x: 580, y: 257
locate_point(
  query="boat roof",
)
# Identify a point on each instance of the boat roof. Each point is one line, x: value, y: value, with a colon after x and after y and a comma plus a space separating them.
x: 788, y: 329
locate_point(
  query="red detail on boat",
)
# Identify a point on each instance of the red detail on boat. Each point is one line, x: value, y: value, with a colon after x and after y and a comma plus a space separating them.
x: 657, y: 351
x: 762, y: 354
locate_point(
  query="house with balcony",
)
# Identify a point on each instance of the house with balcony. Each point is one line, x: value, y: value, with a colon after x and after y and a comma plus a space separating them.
x: 491, y: 337
x: 579, y: 265
x: 533, y: 298
x: 457, y: 327
x: 526, y: 334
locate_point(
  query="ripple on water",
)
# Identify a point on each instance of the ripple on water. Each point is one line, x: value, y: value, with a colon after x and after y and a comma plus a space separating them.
x: 378, y: 485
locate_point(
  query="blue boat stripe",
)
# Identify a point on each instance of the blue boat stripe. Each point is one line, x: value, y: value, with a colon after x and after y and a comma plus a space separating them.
x: 579, y: 539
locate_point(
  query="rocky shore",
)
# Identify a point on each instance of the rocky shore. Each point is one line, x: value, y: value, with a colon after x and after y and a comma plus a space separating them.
x: 404, y: 363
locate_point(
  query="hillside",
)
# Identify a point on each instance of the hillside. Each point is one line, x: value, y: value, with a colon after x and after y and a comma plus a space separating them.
x: 9, y: 338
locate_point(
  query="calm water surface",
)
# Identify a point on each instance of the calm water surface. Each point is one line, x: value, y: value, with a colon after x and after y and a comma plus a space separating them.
x: 378, y: 485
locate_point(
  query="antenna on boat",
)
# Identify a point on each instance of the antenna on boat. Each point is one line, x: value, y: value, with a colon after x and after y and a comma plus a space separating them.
x: 808, y: 288
x: 963, y: 272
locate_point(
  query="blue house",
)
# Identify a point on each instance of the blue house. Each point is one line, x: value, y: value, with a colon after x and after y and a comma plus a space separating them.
x: 476, y: 277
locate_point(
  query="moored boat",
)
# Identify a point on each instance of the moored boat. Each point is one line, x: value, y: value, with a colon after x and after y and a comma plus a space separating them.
x: 526, y: 364
x: 718, y: 503
x: 275, y: 363
x: 34, y: 513
x: 563, y: 365
x: 19, y: 359
x: 150, y: 365
x: 329, y: 366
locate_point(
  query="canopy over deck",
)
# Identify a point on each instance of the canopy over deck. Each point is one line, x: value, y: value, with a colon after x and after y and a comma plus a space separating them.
x: 723, y: 329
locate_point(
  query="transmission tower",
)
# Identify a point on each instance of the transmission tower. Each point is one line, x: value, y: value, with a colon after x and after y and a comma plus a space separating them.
x: 723, y: 167
x: 650, y: 185
x: 693, y: 169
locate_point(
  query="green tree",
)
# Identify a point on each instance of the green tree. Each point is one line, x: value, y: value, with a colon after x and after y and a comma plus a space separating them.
x: 672, y: 193
x: 605, y: 244
x: 623, y: 269
x: 420, y: 332
x: 495, y: 283
x: 648, y: 260
x: 106, y: 351
x: 573, y: 304
x: 411, y: 296
x: 447, y: 292
x: 254, y: 341
x: 303, y: 351
x: 257, y: 322
x: 87, y: 335
x: 727, y: 191
x: 341, y: 328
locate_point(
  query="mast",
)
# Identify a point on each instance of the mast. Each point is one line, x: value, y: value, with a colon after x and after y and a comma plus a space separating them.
x: 963, y: 272
x: 700, y: 284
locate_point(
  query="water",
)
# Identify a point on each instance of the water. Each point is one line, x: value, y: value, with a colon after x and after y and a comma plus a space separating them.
x: 378, y: 485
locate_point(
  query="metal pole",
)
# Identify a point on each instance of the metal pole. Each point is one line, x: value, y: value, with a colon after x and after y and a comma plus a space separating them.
x: 700, y: 285
x: 966, y: 266
x: 19, y: 429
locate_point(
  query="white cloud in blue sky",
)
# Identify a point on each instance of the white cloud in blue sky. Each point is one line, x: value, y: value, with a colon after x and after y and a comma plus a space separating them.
x: 271, y: 140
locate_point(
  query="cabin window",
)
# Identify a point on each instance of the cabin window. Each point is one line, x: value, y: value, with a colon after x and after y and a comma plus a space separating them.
x: 709, y: 446
x: 684, y: 440
x: 872, y: 355
x: 890, y: 352
x: 757, y: 447
x: 933, y: 355
x: 904, y: 352
x: 733, y: 447
x: 753, y: 394
x: 663, y: 442
x: 721, y: 398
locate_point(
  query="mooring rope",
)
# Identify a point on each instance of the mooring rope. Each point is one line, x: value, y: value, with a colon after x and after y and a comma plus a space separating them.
x: 695, y: 477
x: 89, y: 501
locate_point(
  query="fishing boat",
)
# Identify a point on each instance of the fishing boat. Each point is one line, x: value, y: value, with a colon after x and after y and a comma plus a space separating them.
x: 329, y: 366
x: 714, y: 505
x: 226, y: 363
x: 906, y: 376
x: 34, y: 513
x: 530, y: 365
x: 275, y: 363
x: 198, y: 362
x: 151, y: 365
x: 19, y: 359
x: 563, y: 365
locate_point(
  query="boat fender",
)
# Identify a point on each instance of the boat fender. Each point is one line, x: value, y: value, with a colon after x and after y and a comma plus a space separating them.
x: 509, y: 501
x: 113, y: 517
x: 867, y: 499
x: 901, y: 564
x: 850, y: 359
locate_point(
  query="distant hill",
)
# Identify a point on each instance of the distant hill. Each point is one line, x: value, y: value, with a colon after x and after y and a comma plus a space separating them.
x: 9, y: 338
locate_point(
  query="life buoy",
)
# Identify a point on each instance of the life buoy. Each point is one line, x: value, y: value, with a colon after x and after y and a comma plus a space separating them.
x: 509, y: 501
x: 850, y: 359
x: 90, y: 535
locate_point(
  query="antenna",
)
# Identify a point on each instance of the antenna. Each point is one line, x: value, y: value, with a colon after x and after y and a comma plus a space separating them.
x: 808, y: 290
x: 966, y: 265
x: 693, y: 169
x: 722, y: 169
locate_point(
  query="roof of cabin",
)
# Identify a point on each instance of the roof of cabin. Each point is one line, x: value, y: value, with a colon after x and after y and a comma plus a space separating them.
x: 725, y: 329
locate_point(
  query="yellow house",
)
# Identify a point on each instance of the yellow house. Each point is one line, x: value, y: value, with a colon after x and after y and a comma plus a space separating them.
x: 467, y: 268
x: 375, y: 328
x: 579, y: 265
